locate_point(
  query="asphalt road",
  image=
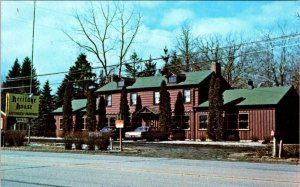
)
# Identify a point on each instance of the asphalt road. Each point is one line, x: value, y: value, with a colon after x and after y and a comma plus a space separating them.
x: 20, y: 168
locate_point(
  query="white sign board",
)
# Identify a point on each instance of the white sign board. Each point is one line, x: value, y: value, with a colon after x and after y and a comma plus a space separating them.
x: 119, y: 124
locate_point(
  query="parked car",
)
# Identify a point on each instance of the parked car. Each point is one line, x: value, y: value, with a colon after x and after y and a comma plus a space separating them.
x: 147, y: 133
x: 112, y: 131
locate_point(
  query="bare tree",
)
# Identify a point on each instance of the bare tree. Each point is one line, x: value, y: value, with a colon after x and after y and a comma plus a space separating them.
x: 186, y: 45
x: 107, y: 30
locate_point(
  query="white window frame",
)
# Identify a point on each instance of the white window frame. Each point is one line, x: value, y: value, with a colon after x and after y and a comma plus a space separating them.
x: 187, y: 99
x: 133, y: 99
x: 156, y: 98
x: 60, y: 119
x: 107, y: 101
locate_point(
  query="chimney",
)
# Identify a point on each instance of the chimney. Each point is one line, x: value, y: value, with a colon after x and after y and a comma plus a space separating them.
x: 250, y: 84
x: 216, y: 67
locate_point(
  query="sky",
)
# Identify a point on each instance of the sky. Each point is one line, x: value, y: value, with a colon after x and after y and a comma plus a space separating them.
x: 160, y: 25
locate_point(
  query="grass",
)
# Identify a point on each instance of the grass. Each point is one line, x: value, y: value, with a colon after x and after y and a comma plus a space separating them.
x: 174, y: 151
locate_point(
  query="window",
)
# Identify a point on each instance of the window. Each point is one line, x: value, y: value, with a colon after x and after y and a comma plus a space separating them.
x: 108, y: 100
x: 243, y: 121
x: 84, y: 123
x: 172, y: 79
x: 156, y: 98
x: 203, y: 121
x: 60, y: 123
x: 121, y: 83
x: 133, y: 98
x: 187, y: 96
x: 232, y: 121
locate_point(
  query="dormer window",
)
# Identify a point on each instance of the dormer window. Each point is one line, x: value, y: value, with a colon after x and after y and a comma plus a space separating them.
x: 172, y: 79
x: 121, y: 83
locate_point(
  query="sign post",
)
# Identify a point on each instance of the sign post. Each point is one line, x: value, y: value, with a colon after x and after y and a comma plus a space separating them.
x: 120, y: 125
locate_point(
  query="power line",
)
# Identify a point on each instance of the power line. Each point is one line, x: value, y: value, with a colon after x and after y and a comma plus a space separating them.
x: 156, y: 69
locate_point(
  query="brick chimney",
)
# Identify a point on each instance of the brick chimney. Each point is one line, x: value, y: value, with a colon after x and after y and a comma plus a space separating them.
x: 216, y: 67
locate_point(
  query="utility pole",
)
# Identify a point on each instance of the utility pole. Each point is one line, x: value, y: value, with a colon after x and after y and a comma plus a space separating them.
x: 32, y: 49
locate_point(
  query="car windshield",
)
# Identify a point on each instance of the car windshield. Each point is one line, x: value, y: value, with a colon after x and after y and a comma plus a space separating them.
x: 141, y: 129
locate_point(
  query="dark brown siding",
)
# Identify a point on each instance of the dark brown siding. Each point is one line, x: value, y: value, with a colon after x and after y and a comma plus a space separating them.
x: 261, y: 122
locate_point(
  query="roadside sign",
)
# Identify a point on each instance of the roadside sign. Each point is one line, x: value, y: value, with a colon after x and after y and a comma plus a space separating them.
x: 22, y: 120
x: 119, y: 123
x: 22, y: 105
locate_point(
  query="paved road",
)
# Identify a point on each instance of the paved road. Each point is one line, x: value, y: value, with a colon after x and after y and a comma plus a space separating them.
x: 20, y: 168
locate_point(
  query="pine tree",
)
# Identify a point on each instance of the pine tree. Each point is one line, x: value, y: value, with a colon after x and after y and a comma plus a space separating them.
x: 179, y: 110
x: 59, y: 98
x: 211, y: 126
x: 137, y: 121
x: 164, y: 108
x: 218, y: 100
x: 124, y: 107
x: 28, y: 72
x: 44, y: 125
x: 15, y: 72
x: 215, y: 128
x: 82, y: 77
x: 101, y: 112
x: 67, y: 121
x: 174, y: 66
x: 133, y: 68
x: 149, y: 69
x: 90, y: 111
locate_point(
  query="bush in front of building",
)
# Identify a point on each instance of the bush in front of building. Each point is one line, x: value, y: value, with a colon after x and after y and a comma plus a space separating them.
x: 68, y: 140
x: 79, y: 139
x: 14, y: 138
x: 102, y: 142
x: 90, y: 140
x: 291, y: 151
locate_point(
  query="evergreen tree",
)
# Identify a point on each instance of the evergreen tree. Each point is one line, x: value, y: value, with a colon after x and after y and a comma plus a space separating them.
x: 138, y: 105
x: 101, y: 112
x: 15, y: 72
x: 82, y: 77
x: 215, y: 128
x: 149, y: 69
x: 59, y: 98
x: 90, y: 111
x: 136, y: 120
x: 179, y: 110
x: 67, y: 121
x: 102, y: 79
x: 27, y: 74
x: 44, y: 125
x: 211, y: 126
x: 218, y: 100
x: 174, y: 66
x: 164, y: 108
x: 124, y: 107
x: 132, y: 68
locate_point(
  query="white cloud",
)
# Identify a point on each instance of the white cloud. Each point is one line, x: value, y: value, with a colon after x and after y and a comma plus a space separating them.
x: 176, y: 17
x: 219, y: 26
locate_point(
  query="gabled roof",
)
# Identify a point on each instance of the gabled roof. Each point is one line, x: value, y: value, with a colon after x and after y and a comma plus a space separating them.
x: 77, y: 105
x: 148, y: 109
x: 256, y: 96
x: 192, y: 78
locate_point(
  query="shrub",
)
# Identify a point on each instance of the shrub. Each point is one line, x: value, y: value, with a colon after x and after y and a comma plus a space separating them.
x: 178, y: 134
x: 102, y: 142
x: 79, y: 140
x: 254, y: 139
x: 291, y: 151
x: 267, y: 140
x: 90, y: 140
x: 14, y: 138
x: 203, y: 138
x: 266, y: 151
x: 68, y: 140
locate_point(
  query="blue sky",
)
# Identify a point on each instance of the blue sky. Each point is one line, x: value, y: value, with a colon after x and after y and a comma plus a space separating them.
x: 161, y: 22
